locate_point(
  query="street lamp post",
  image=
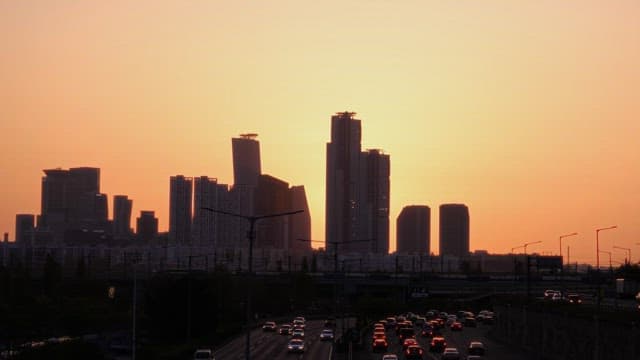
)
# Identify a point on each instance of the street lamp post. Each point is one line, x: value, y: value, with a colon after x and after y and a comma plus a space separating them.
x: 251, y: 236
x: 528, y: 266
x: 598, y: 244
x: 562, y: 237
x: 628, y: 250
x: 609, y: 253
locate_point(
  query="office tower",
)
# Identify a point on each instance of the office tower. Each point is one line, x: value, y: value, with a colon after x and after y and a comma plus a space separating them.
x: 71, y: 199
x: 357, y: 195
x: 209, y: 227
x: 299, y: 224
x: 413, y: 227
x: 272, y: 197
x: 24, y: 228
x: 180, y: 196
x: 246, y: 160
x: 374, y: 208
x: 343, y: 168
x: 122, y: 206
x: 147, y: 226
x: 454, y: 229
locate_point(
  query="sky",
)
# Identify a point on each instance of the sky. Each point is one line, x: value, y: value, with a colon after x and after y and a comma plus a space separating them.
x: 526, y: 111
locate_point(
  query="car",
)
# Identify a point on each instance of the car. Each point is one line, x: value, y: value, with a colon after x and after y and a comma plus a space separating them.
x: 379, y: 336
x: 408, y: 342
x: 413, y: 352
x: 456, y: 326
x: 326, y: 334
x: 299, y: 323
x: 405, y: 333
x: 476, y: 348
x: 389, y: 357
x: 391, y: 322
x: 295, y: 345
x: 451, y: 319
x: 380, y: 345
x: 556, y: 296
x: 470, y: 322
x: 297, y: 334
x: 574, y: 299
x: 450, y: 354
x: 269, y: 326
x: 203, y: 354
x: 437, y: 344
x: 548, y: 294
x: 474, y: 357
x: 285, y: 329
x: 427, y: 332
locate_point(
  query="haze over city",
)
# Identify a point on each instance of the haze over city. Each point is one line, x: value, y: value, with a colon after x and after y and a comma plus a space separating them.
x: 527, y: 113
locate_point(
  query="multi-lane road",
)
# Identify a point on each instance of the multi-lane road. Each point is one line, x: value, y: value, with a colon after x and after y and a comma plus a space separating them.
x: 457, y: 339
x: 273, y: 346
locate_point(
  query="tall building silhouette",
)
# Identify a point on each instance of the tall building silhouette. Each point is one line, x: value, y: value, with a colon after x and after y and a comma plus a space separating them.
x: 246, y: 160
x: 357, y: 190
x: 299, y: 224
x: 209, y: 227
x: 122, y: 206
x: 71, y: 199
x: 25, y: 226
x: 272, y: 197
x: 180, y: 201
x: 147, y: 226
x: 413, y: 230
x: 454, y: 229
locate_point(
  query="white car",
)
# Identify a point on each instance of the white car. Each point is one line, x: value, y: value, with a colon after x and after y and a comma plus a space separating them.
x: 203, y: 354
x: 296, y: 345
x: 389, y: 357
x: 450, y: 354
x: 326, y: 334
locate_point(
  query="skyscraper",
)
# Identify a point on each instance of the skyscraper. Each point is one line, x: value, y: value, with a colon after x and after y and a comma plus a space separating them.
x: 24, y: 228
x: 413, y: 230
x: 357, y: 195
x: 180, y: 202
x: 122, y: 206
x: 272, y: 197
x: 343, y: 169
x: 246, y: 160
x: 454, y: 229
x: 208, y: 226
x: 299, y: 224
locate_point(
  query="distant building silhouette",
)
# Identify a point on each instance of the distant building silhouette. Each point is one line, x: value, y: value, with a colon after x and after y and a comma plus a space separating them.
x: 25, y: 227
x: 71, y: 199
x: 122, y: 206
x: 454, y: 229
x: 246, y: 160
x: 180, y: 201
x: 209, y: 228
x: 357, y: 190
x: 147, y: 226
x: 413, y: 230
x: 299, y: 224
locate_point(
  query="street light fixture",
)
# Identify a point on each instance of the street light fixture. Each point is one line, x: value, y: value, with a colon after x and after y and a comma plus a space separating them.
x: 530, y: 243
x: 598, y: 244
x: 564, y: 236
x: 251, y: 236
x: 626, y: 249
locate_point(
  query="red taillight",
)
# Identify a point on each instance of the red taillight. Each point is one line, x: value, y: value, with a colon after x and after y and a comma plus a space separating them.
x: 420, y: 351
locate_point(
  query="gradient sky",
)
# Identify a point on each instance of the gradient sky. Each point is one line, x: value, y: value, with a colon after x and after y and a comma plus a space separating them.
x: 526, y: 111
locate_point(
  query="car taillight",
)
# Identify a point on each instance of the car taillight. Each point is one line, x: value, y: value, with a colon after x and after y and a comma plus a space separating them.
x: 420, y: 351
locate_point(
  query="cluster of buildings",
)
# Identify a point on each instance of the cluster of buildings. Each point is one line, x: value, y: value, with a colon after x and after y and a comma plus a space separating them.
x: 74, y: 218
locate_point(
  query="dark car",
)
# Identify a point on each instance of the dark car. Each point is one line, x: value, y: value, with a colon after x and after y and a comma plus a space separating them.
x: 476, y: 348
x: 413, y: 352
x: 269, y: 326
x: 405, y: 333
x: 470, y: 321
x: 285, y: 329
x: 456, y: 326
x: 437, y: 344
x: 574, y: 299
x: 296, y: 345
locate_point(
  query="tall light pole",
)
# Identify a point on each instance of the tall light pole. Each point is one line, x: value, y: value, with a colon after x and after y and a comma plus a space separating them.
x: 530, y: 243
x: 598, y: 244
x: 607, y: 252
x: 628, y: 252
x: 562, y: 237
x: 251, y: 236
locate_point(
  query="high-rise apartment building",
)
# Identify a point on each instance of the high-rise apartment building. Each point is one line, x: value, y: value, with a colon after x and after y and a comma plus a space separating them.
x: 454, y: 229
x: 71, y: 199
x: 246, y: 160
x: 413, y: 230
x: 25, y: 225
x: 357, y: 190
x: 122, y: 206
x: 147, y: 226
x: 180, y: 201
x: 299, y: 224
x: 209, y: 227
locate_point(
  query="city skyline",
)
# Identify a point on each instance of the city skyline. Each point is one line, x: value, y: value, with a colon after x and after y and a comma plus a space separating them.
x: 526, y: 113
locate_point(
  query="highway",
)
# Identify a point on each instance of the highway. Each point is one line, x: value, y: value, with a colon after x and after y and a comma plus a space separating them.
x: 273, y: 346
x: 457, y: 339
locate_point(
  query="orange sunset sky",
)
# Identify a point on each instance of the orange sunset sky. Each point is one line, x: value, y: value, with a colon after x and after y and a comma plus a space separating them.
x: 526, y: 111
